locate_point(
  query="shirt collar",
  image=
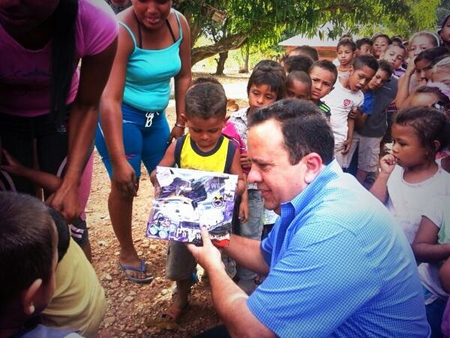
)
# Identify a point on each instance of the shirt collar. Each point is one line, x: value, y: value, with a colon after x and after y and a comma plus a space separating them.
x: 300, y: 201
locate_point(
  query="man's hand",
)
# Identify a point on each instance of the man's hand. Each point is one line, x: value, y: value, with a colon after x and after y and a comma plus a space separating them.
x: 208, y: 256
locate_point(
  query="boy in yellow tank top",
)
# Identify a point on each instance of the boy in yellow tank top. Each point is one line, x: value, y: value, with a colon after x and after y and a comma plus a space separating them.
x: 203, y: 148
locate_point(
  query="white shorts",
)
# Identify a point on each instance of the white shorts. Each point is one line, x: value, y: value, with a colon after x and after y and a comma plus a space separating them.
x: 368, y: 151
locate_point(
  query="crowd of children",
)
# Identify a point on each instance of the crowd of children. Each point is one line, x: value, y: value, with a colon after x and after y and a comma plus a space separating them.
x: 388, y: 103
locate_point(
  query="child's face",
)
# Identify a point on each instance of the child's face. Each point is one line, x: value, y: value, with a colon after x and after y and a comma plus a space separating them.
x: 379, y: 46
x: 407, y: 147
x: 422, y: 71
x: 322, y: 82
x: 445, y: 32
x: 345, y: 55
x: 297, y: 89
x: 379, y: 79
x: 205, y: 132
x: 418, y: 45
x: 394, y: 55
x: 360, y: 77
x: 260, y: 96
x: 365, y: 49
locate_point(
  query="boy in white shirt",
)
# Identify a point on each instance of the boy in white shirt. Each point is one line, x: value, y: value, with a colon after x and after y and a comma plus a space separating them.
x: 345, y: 96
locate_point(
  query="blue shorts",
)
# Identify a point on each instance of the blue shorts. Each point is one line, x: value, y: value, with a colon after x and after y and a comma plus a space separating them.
x: 145, y: 137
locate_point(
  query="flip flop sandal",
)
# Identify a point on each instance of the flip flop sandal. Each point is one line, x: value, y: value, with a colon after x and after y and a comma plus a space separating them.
x: 141, y: 269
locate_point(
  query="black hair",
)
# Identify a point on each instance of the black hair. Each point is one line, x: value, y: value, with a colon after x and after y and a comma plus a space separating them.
x: 396, y: 45
x: 364, y: 41
x: 385, y: 66
x: 346, y: 43
x: 299, y: 62
x: 275, y: 65
x: 397, y: 40
x: 270, y: 76
x: 381, y: 35
x: 299, y: 76
x: 306, y: 51
x: 305, y: 129
x: 206, y: 100
x: 327, y: 65
x: 27, y: 245
x: 62, y: 57
x: 429, y: 124
x: 62, y: 228
x: 365, y: 60
x: 439, y: 59
x: 443, y: 99
x: 206, y: 79
x: 431, y: 54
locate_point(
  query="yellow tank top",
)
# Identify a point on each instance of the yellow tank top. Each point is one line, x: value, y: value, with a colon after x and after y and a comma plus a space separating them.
x: 219, y: 159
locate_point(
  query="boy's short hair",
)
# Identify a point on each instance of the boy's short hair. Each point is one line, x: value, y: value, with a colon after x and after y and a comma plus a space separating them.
x: 206, y: 100
x: 385, y: 66
x: 363, y: 41
x: 206, y: 79
x: 270, y: 76
x: 299, y: 76
x: 27, y: 245
x: 307, y: 51
x: 397, y: 41
x: 347, y: 42
x: 327, y: 65
x: 275, y: 65
x: 392, y: 45
x: 365, y: 60
x: 299, y: 62
x: 381, y: 35
x: 304, y: 127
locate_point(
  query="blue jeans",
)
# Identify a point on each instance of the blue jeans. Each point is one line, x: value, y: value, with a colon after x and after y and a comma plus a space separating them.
x: 252, y: 228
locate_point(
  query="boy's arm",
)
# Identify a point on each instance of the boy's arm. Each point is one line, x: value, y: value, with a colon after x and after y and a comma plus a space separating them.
x: 237, y: 170
x: 42, y: 179
x: 167, y: 161
x: 348, y: 142
x: 426, y: 247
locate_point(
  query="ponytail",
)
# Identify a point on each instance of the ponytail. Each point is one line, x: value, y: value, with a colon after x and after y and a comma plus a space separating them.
x: 63, y: 57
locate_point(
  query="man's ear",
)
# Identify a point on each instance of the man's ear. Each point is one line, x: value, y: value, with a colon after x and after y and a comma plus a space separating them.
x: 314, y: 165
x: 30, y: 295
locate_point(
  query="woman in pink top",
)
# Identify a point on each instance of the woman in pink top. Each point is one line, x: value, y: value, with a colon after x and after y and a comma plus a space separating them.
x: 48, y: 105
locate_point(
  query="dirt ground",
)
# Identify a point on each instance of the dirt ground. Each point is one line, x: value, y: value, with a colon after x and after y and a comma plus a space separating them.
x: 131, y: 306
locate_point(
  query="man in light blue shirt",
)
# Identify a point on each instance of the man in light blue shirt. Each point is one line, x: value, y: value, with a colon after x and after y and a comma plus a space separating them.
x: 336, y: 264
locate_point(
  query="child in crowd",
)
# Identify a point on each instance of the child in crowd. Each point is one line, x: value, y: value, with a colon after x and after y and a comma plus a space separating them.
x: 380, y: 43
x: 422, y: 71
x: 430, y: 96
x: 203, y: 148
x: 363, y: 47
x: 395, y: 54
x: 79, y: 299
x: 440, y: 73
x: 444, y: 32
x: 347, y: 95
x: 265, y: 86
x: 300, y: 63
x: 369, y: 146
x: 431, y: 247
x: 410, y: 176
x: 298, y: 85
x: 306, y: 51
x: 323, y: 74
x: 28, y: 261
x: 346, y: 52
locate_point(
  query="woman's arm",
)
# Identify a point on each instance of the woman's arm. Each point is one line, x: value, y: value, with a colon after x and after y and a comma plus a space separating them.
x: 425, y: 245
x: 111, y: 116
x: 94, y: 73
x: 183, y: 78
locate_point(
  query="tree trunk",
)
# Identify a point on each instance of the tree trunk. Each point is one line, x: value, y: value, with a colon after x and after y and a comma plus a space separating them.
x: 221, y: 63
x: 223, y: 45
x: 245, y: 68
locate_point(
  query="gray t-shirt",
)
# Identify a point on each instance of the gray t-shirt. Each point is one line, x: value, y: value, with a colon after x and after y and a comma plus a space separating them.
x: 376, y: 123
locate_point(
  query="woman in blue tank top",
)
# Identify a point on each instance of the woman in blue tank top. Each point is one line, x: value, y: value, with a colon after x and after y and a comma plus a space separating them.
x: 154, y: 47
